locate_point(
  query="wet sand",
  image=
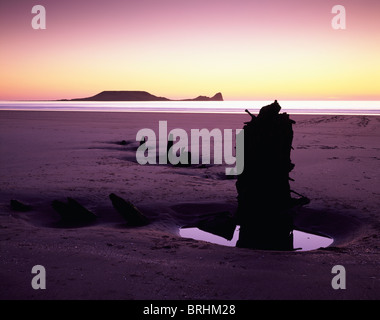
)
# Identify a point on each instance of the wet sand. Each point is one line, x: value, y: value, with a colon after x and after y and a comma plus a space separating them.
x: 48, y: 156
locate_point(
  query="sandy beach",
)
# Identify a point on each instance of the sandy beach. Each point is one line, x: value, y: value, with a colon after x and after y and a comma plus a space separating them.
x: 48, y: 156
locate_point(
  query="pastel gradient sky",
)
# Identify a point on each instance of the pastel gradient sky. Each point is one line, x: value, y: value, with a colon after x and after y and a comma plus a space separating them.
x: 246, y: 49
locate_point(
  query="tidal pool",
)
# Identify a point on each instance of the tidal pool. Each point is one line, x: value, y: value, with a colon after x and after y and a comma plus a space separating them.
x: 302, y: 241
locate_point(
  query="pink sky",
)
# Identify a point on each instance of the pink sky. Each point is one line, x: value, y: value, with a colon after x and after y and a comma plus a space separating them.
x: 179, y: 49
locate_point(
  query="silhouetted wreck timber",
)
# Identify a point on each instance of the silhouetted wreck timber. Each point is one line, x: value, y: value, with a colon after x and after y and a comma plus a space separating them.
x: 73, y: 212
x: 19, y: 206
x: 264, y: 194
x: 221, y: 224
x: 128, y: 211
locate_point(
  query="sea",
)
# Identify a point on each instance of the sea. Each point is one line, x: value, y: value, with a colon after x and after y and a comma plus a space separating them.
x: 233, y: 107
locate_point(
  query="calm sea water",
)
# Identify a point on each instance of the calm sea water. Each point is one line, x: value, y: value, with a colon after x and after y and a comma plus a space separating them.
x: 292, y: 107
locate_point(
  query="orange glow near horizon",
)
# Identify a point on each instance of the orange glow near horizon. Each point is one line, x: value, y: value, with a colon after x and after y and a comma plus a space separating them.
x: 247, y: 50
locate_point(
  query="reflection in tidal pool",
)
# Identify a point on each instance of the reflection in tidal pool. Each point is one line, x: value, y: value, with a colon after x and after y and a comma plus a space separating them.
x: 302, y: 241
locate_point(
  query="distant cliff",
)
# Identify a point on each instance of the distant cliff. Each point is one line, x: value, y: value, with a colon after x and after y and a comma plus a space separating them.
x: 139, y: 96
x: 217, y: 97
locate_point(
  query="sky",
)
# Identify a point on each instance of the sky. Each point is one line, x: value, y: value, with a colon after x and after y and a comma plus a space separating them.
x: 246, y: 49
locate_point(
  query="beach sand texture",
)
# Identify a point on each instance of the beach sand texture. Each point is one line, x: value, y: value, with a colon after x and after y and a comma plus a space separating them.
x: 48, y: 156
